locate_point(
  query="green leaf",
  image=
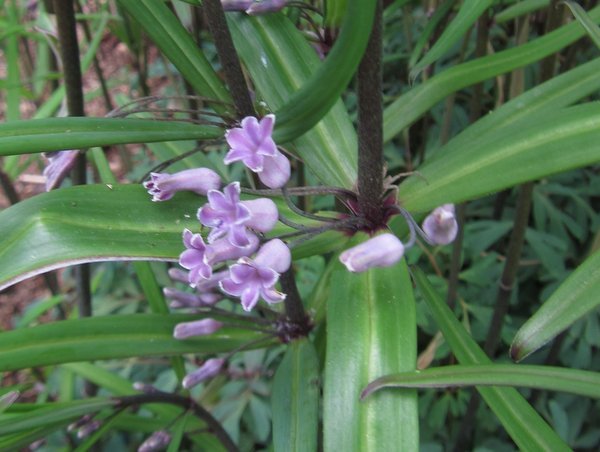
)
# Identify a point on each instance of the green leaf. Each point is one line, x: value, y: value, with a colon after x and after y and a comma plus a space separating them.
x: 96, y: 223
x: 440, y: 12
x: 371, y: 331
x: 410, y: 106
x: 179, y: 47
x: 109, y: 337
x: 527, y: 150
x: 295, y: 399
x: 273, y: 43
x: 585, y: 20
x: 524, y: 425
x: 468, y: 14
x: 55, y: 134
x: 580, y: 382
x: 520, y: 9
x: 574, y: 299
x: 6, y: 400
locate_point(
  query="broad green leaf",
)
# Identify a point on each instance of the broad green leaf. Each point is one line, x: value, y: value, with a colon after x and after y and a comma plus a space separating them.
x: 179, y: 47
x: 524, y: 425
x: 371, y: 331
x: 280, y: 62
x: 575, y: 381
x: 305, y: 108
x: 519, y: 9
x: 117, y: 336
x: 295, y: 399
x: 468, y: 14
x: 524, y: 151
x: 96, y: 223
x: 55, y: 134
x: 56, y: 415
x: 575, y: 298
x: 585, y: 20
x: 410, y: 106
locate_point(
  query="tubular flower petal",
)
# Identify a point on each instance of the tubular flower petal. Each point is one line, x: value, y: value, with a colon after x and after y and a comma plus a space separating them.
x: 252, y: 144
x: 208, y: 370
x: 163, y: 186
x: 380, y: 251
x: 179, y: 299
x: 59, y: 165
x: 202, y: 327
x: 200, y: 257
x: 265, y: 6
x: 228, y: 216
x: 156, y: 442
x: 253, y: 279
x: 440, y: 225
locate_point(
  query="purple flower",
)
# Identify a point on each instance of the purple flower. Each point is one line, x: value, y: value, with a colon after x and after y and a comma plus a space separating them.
x: 265, y: 6
x: 228, y: 216
x: 252, y: 144
x: 163, y: 186
x: 440, y: 225
x: 156, y: 442
x: 202, y: 327
x: 253, y: 279
x: 59, y: 165
x: 179, y: 299
x: 380, y: 251
x: 208, y: 370
x: 200, y: 257
x: 236, y: 5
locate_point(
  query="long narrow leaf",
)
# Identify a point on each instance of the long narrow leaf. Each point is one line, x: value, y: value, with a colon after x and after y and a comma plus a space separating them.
x: 585, y: 20
x: 575, y: 298
x: 550, y: 378
x: 524, y: 425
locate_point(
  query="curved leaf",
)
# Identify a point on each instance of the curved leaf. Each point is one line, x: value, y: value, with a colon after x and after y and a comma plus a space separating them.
x: 111, y: 337
x: 520, y: 9
x: 179, y: 47
x: 410, y: 106
x: 371, y: 330
x: 575, y: 381
x: 468, y: 14
x: 585, y: 20
x: 55, y: 134
x: 524, y: 425
x: 576, y: 297
x: 280, y: 61
x: 508, y: 156
x: 295, y: 399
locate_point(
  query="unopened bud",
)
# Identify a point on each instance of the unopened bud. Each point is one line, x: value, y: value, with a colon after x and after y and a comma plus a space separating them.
x: 208, y: 370
x: 440, y: 225
x: 202, y: 327
x: 380, y: 251
x: 155, y: 442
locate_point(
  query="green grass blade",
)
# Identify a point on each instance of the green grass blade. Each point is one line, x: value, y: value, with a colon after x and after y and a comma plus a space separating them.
x: 524, y: 151
x: 524, y: 425
x: 371, y: 329
x: 440, y: 12
x: 295, y: 399
x: 55, y: 134
x: 111, y: 337
x: 468, y: 14
x: 330, y: 148
x: 586, y: 21
x: 574, y: 381
x: 575, y: 298
x: 410, y: 106
x: 179, y: 47
x: 519, y: 9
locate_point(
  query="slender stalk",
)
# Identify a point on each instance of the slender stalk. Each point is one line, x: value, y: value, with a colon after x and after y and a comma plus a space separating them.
x: 370, y: 120
x: 187, y: 404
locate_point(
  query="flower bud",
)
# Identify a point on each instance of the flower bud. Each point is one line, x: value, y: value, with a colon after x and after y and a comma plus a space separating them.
x: 265, y: 6
x: 380, y: 251
x: 202, y: 327
x: 58, y: 167
x: 208, y: 370
x: 155, y: 442
x: 236, y: 5
x: 163, y: 186
x: 440, y: 225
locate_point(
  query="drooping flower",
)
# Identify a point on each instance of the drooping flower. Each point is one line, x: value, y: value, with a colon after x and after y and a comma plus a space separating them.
x: 157, y: 441
x: 199, y: 257
x: 440, y: 225
x: 163, y: 186
x: 202, y: 327
x: 179, y: 299
x: 208, y: 370
x: 228, y: 216
x: 253, y: 145
x: 59, y: 165
x: 251, y: 279
x: 380, y: 251
x: 265, y: 6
